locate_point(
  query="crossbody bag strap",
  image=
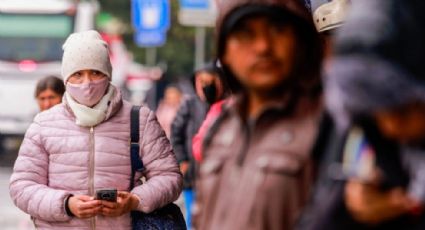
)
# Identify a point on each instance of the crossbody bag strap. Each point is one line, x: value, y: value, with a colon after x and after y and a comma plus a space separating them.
x: 136, y: 162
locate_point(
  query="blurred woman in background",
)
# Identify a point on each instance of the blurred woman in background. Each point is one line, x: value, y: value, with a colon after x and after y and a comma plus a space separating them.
x: 49, y: 92
x: 168, y: 108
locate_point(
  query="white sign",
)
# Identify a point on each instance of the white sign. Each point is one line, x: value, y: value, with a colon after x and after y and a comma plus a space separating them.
x: 202, y: 15
x: 151, y: 16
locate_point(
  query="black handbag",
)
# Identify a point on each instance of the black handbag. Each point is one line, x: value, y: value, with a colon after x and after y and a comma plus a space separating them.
x: 169, y: 217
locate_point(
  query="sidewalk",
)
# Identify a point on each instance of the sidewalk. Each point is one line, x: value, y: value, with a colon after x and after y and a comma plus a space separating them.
x: 11, y: 218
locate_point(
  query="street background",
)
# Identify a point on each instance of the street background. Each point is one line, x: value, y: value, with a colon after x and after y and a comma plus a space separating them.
x: 31, y: 37
x: 11, y: 218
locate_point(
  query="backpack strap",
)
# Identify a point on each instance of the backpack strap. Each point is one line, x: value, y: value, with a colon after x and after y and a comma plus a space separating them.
x: 136, y: 162
x: 324, y: 136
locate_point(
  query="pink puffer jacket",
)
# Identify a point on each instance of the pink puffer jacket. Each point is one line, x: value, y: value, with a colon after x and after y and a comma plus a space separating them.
x: 58, y: 158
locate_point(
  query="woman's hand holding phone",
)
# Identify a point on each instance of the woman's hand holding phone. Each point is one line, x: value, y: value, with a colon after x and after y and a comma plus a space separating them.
x: 83, y: 206
x: 126, y: 202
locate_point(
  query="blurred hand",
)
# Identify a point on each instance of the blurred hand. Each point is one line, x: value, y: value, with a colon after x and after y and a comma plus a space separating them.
x: 184, y: 167
x: 125, y: 203
x: 83, y: 206
x: 369, y: 205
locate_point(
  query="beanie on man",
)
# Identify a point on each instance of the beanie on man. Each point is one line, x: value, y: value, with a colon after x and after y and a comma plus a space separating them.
x: 85, y: 51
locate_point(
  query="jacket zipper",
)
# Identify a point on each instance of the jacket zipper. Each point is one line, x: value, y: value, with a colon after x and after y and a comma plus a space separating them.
x: 91, y: 173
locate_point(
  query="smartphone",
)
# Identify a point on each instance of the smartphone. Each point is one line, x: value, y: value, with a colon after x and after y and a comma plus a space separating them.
x: 107, y: 194
x: 367, y: 150
x: 359, y: 156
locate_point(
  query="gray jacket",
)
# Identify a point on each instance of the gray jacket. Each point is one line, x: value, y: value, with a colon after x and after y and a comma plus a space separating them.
x: 257, y: 174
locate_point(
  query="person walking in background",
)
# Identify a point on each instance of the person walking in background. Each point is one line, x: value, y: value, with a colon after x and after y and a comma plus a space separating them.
x: 168, y: 107
x: 49, y: 92
x: 374, y: 160
x: 193, y: 109
x: 212, y: 115
x: 82, y: 145
x: 257, y: 170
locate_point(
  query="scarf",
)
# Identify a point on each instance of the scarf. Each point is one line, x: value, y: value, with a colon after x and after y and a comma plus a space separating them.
x: 89, y: 117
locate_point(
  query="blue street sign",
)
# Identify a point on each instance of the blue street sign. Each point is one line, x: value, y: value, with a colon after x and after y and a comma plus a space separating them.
x: 194, y: 4
x: 150, y: 14
x: 150, y: 38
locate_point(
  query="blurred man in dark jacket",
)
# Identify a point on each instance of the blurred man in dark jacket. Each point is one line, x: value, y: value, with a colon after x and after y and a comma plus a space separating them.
x: 190, y: 115
x: 374, y: 175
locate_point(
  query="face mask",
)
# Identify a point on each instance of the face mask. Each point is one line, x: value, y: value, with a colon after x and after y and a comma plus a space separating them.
x: 210, y: 92
x: 88, y: 94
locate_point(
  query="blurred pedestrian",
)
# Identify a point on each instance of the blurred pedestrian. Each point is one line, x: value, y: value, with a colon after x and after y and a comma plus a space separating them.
x: 168, y: 107
x: 257, y: 171
x: 212, y: 115
x: 82, y: 145
x: 49, y: 92
x: 373, y: 172
x: 193, y: 109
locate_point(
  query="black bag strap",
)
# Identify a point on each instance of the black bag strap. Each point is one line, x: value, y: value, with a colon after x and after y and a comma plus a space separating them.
x: 168, y: 217
x: 136, y: 162
x: 323, y: 140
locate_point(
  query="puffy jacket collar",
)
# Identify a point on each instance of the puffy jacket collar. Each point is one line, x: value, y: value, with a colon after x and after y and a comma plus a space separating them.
x: 115, y: 105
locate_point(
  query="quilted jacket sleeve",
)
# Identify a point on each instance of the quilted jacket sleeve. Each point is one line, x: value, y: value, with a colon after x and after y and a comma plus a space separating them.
x: 28, y: 183
x: 164, y: 180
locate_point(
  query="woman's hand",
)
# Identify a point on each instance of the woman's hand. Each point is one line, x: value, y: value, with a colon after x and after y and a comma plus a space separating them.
x: 184, y: 167
x: 370, y: 205
x: 83, y: 206
x: 125, y: 203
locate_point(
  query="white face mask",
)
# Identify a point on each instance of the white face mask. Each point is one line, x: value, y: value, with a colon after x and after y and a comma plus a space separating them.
x: 88, y: 94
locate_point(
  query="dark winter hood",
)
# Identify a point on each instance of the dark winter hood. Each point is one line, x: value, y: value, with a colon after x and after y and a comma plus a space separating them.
x: 234, y: 11
x: 209, y: 67
x: 379, y: 58
x: 294, y: 11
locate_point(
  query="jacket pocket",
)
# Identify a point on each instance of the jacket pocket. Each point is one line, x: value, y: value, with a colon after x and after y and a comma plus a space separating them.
x: 207, y: 186
x: 212, y: 167
x: 210, y: 176
x: 280, y: 164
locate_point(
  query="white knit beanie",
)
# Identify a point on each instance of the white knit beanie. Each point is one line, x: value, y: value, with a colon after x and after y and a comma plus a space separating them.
x: 84, y: 51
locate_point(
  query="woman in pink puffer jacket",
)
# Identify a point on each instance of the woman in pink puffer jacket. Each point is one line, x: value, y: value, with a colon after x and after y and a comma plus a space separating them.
x: 82, y: 145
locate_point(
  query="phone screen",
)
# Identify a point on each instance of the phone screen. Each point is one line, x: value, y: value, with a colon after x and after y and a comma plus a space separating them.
x: 107, y: 194
x: 359, y: 156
